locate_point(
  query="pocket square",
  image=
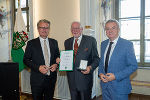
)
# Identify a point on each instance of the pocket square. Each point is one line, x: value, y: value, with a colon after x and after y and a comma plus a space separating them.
x: 86, y: 49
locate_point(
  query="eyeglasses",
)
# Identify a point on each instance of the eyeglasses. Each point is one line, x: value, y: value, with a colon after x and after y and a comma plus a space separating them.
x: 43, y: 27
x: 75, y: 28
x: 108, y: 29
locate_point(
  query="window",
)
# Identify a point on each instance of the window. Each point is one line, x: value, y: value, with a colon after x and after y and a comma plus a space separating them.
x: 134, y: 18
x: 25, y: 10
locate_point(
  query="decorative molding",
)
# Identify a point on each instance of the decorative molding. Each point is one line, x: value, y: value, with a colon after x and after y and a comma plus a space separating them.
x: 140, y: 83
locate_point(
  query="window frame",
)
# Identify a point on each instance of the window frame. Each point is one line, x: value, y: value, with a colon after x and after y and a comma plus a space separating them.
x: 142, y: 40
x: 23, y: 9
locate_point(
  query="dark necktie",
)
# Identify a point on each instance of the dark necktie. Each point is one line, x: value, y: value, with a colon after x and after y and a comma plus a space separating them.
x: 75, y: 48
x: 107, y: 56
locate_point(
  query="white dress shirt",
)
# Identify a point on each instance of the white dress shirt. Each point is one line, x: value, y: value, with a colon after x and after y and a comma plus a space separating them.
x: 79, y: 41
x: 47, y: 44
x: 112, y: 49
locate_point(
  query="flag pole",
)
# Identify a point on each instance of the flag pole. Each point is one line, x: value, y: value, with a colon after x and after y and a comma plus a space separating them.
x: 19, y: 38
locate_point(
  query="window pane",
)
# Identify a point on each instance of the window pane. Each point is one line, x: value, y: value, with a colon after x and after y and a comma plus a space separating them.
x: 147, y: 7
x: 129, y: 8
x: 137, y: 50
x: 24, y: 14
x: 23, y: 3
x: 147, y: 39
x: 16, y: 1
x: 147, y: 28
x: 130, y: 29
x: 147, y: 51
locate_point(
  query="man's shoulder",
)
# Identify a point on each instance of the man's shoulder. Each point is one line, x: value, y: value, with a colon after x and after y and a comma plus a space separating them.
x: 125, y: 41
x: 105, y: 41
x: 69, y: 39
x: 52, y: 39
x: 88, y: 38
x: 34, y: 40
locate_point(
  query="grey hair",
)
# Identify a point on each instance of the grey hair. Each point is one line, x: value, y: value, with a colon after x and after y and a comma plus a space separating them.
x: 44, y: 21
x: 113, y: 20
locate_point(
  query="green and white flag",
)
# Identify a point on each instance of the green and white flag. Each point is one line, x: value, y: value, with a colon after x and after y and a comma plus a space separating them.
x: 19, y: 38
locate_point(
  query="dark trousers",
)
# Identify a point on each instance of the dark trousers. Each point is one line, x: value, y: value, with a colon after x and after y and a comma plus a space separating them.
x: 45, y: 91
x: 80, y: 95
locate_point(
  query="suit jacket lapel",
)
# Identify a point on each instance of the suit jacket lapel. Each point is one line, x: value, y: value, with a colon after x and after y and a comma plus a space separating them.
x: 50, y: 45
x: 104, y: 48
x: 82, y: 43
x: 51, y: 49
x: 115, y: 51
x: 39, y: 48
x: 70, y: 46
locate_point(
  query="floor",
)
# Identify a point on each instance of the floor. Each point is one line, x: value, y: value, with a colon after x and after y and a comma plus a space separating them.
x: 131, y: 97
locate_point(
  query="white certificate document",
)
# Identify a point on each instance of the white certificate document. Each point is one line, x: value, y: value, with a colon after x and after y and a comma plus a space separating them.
x: 66, y: 60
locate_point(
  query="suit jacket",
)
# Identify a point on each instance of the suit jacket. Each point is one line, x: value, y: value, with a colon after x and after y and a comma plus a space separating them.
x: 87, y: 51
x: 34, y: 57
x: 122, y: 63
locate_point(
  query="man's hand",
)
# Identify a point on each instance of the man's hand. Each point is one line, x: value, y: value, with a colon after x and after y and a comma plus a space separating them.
x: 57, y: 60
x: 87, y: 71
x: 43, y: 69
x: 53, y: 67
x: 103, y: 77
x: 110, y: 76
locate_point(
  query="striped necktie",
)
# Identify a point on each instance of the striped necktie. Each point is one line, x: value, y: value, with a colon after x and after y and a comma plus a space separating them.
x: 46, y: 55
x: 75, y: 48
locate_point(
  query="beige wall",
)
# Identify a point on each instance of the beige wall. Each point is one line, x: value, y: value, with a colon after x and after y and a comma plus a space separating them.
x: 142, y: 82
x: 61, y: 13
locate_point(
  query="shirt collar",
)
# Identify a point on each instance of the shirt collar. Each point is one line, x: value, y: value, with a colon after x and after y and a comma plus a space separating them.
x: 41, y: 39
x: 79, y: 38
x: 115, y: 41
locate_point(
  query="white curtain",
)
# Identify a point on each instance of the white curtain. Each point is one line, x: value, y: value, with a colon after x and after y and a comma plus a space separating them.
x: 25, y: 74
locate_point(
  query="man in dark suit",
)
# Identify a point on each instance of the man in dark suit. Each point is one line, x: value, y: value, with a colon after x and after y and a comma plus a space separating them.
x: 40, y: 55
x: 81, y: 82
x: 117, y: 63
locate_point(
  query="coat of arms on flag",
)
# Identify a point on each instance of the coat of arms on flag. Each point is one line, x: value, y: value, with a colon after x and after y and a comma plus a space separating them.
x: 20, y: 36
x: 19, y: 39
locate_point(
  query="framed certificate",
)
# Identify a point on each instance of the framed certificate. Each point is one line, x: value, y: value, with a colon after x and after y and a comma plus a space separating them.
x: 66, y: 60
